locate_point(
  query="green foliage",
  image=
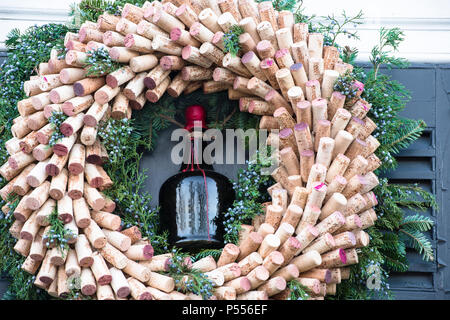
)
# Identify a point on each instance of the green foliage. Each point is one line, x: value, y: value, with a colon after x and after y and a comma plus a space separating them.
x: 251, y: 191
x: 281, y: 5
x: 188, y: 279
x: 90, y: 10
x: 215, y: 253
x: 381, y: 54
x: 297, y: 291
x: 25, y: 51
x: 231, y: 40
x: 338, y: 25
x: 57, y: 236
x: 99, y: 63
x: 56, y: 119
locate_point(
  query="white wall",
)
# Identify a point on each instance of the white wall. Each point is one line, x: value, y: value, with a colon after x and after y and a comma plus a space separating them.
x: 22, y: 14
x: 426, y: 23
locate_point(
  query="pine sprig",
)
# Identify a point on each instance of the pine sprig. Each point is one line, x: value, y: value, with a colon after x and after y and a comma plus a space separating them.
x: 188, y: 279
x: 297, y: 291
x: 231, y: 40
x: 215, y: 253
x: 382, y: 54
x: 419, y: 242
x: 99, y: 63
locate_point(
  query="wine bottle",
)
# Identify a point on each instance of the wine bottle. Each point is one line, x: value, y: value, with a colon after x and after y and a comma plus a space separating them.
x: 193, y: 201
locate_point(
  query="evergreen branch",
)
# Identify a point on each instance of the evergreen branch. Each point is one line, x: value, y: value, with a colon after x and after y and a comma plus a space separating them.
x: 419, y: 242
x: 418, y: 222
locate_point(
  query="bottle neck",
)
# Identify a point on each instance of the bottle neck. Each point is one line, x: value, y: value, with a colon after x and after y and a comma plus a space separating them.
x: 193, y: 156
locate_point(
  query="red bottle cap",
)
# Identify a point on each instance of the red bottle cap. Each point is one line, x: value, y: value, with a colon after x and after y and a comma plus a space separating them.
x: 195, y: 116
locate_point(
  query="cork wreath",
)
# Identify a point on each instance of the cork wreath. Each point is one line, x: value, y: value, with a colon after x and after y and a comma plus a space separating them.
x: 321, y: 201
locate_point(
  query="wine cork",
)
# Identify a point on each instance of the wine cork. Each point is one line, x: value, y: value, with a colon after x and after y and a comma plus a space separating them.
x: 269, y: 68
x: 370, y: 199
x: 64, y: 145
x: 58, y: 185
x: 44, y: 212
x: 186, y: 15
x: 22, y: 247
x: 284, y: 118
x: 249, y: 24
x: 225, y: 293
x: 277, y: 100
x: 338, y: 167
x: 268, y: 245
x: 301, y: 55
x: 167, y: 21
x: 329, y: 79
x: 253, y: 295
x: 306, y: 234
x: 290, y: 161
x: 317, y: 174
x: 240, y: 285
x: 268, y: 13
x: 367, y: 129
x: 47, y: 272
x: 258, y: 87
x: 357, y: 167
x: 331, y: 223
x: 285, y: 81
x: 30, y: 266
x: 337, y: 202
x: 303, y: 137
x: 76, y: 105
x: 88, y: 283
x: 36, y: 120
x: 273, y: 215
x: 288, y: 273
x: 229, y: 254
x: 19, y: 185
x: 343, y: 140
x: 323, y: 275
x: 209, y: 19
x: 325, y: 150
x: 285, y: 231
x: 355, y: 126
x: 30, y: 228
x: 265, y: 49
x: 279, y: 198
x: 372, y: 145
x: 87, y: 86
x: 345, y: 240
x: 306, y: 163
x: 273, y: 261
x: 319, y: 111
x: 340, y: 121
x: 360, y: 109
x: 246, y: 42
x: 309, y: 217
x: 284, y: 38
x: 300, y: 32
x: 43, y: 135
x: 250, y: 244
x: 292, y: 215
x: 295, y: 96
x: 22, y: 212
x: 251, y: 61
x: 368, y: 218
x: 250, y: 262
x: 352, y: 222
x: 107, y: 22
x: 258, y: 276
x: 234, y: 64
x: 307, y: 261
x: 83, y: 251
x: 58, y: 256
x: 119, y: 283
x: 38, y: 196
x: 262, y: 228
x: 322, y: 244
x: 355, y: 184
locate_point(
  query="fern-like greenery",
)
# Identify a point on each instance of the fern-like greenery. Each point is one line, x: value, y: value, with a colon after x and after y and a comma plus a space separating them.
x: 231, y: 40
